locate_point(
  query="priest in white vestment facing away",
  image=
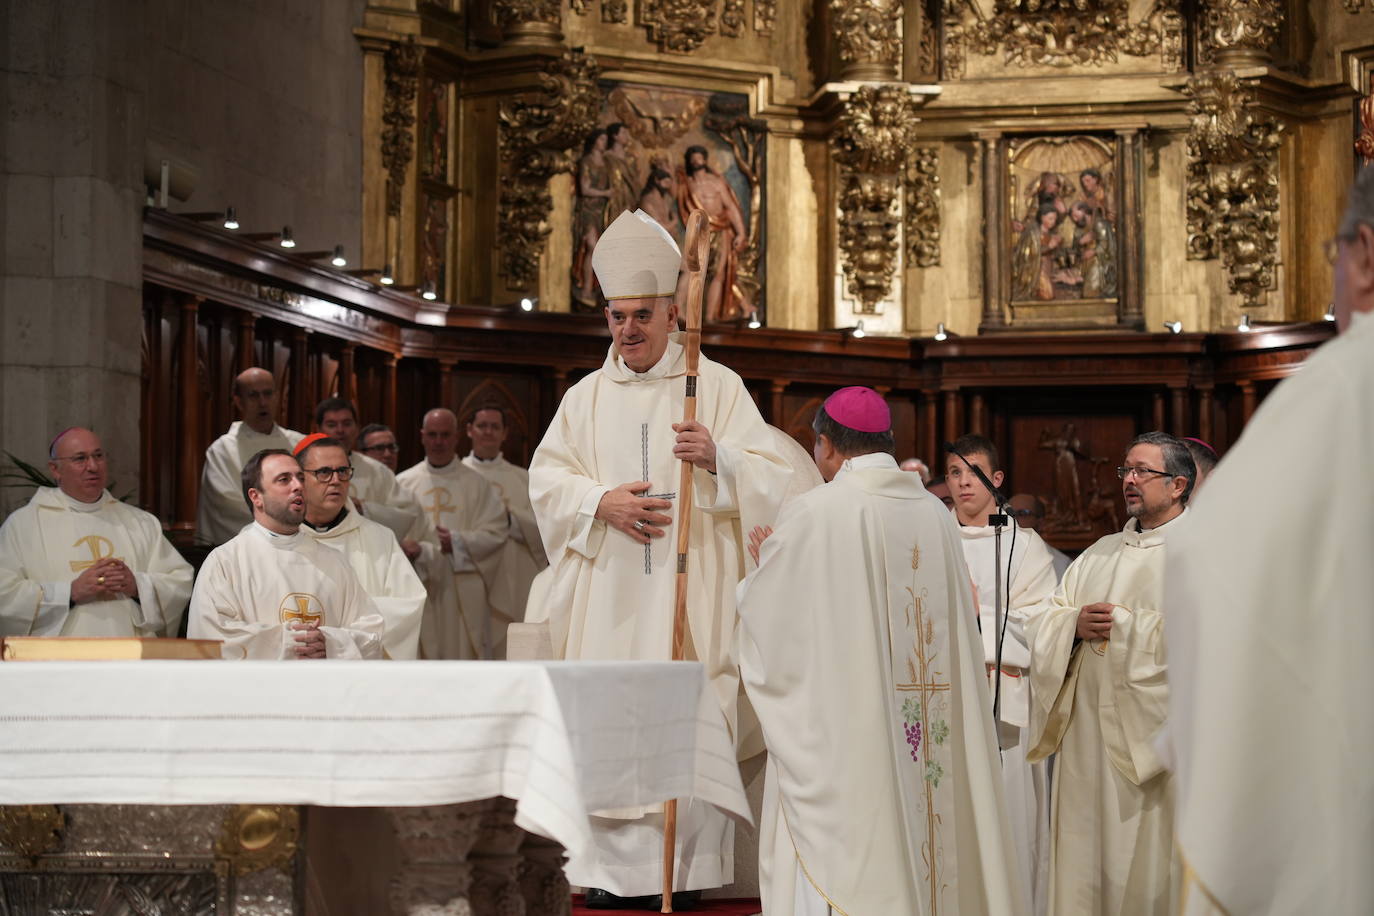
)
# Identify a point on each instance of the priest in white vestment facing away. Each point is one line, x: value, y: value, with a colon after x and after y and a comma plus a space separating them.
x: 1099, y: 697
x: 371, y: 549
x: 522, y: 554
x: 1027, y: 580
x: 1270, y: 630
x: 220, y: 511
x: 858, y: 649
x: 603, y: 484
x: 75, y: 561
x: 274, y: 592
x: 470, y: 520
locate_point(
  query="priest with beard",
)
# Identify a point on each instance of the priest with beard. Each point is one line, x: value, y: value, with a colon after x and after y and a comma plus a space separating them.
x: 76, y: 561
x: 1100, y: 695
x: 273, y: 592
x: 603, y: 484
x: 371, y: 549
x: 1027, y: 578
x: 858, y: 649
x: 470, y: 521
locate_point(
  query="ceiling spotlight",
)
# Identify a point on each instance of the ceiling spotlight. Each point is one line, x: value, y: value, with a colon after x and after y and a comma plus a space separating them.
x: 754, y: 323
x: 940, y: 332
x: 429, y: 294
x: 387, y: 279
x: 230, y: 220
x: 1174, y: 327
x: 1244, y: 323
x: 286, y: 240
x: 339, y: 260
x: 859, y: 329
x: 527, y: 304
x: 1330, y: 314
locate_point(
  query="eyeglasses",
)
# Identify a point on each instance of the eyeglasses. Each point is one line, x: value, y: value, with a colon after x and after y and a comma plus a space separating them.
x: 384, y: 447
x: 323, y: 474
x: 1137, y: 473
x: 96, y: 457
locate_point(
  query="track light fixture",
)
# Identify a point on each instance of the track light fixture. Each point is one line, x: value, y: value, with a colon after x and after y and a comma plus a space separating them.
x: 1244, y: 325
x: 286, y: 240
x: 527, y: 304
x: 339, y: 260
x: 231, y: 221
x: 1330, y: 314
x: 940, y: 332
x: 386, y: 279
x: 428, y: 294
x: 1174, y: 327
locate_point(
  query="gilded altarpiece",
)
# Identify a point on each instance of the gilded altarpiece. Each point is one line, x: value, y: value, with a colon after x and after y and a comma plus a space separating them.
x: 667, y: 152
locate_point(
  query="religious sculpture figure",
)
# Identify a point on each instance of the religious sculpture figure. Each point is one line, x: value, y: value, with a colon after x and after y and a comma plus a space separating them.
x: 658, y: 199
x: 699, y: 187
x: 1033, y: 259
x: 623, y: 168
x: 1095, y: 195
x: 1094, y: 247
x: 1066, y: 512
x: 589, y: 218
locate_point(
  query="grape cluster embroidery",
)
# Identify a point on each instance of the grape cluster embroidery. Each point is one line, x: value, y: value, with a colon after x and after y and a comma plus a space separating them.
x: 911, y: 712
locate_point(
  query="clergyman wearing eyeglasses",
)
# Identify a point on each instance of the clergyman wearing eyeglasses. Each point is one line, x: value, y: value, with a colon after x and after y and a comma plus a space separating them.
x: 76, y: 561
x: 1099, y: 696
x: 370, y: 548
x: 273, y: 591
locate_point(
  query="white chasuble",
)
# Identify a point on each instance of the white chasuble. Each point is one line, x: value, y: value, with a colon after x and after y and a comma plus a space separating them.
x: 53, y: 539
x: 607, y: 597
x: 380, y: 496
x: 1031, y: 582
x: 858, y: 650
x: 522, y: 554
x: 251, y: 590
x: 385, y: 574
x: 459, y: 499
x: 1099, y: 704
x: 1270, y: 630
x: 221, y: 511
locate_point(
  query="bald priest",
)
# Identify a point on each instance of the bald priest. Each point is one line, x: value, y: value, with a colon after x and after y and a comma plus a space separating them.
x: 602, y: 483
x: 76, y: 561
x: 274, y: 592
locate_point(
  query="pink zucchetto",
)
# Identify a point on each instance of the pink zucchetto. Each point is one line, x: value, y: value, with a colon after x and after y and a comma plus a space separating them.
x: 860, y: 409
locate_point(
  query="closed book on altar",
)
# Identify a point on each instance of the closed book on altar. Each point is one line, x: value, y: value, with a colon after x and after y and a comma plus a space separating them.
x: 104, y: 648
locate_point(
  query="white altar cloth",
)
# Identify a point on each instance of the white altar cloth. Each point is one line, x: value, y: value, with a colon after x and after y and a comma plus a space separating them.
x: 563, y: 739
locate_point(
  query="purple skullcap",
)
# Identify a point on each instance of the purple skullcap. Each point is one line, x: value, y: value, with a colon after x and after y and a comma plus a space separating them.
x: 860, y: 409
x: 52, y: 446
x: 1201, y: 443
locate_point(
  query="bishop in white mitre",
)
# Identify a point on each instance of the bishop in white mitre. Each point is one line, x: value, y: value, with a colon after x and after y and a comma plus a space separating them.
x: 273, y: 592
x: 1100, y: 695
x: 522, y: 554
x: 75, y: 561
x: 858, y: 649
x: 370, y: 548
x: 220, y: 510
x: 603, y: 485
x: 1270, y: 631
x: 1027, y: 578
x: 472, y: 527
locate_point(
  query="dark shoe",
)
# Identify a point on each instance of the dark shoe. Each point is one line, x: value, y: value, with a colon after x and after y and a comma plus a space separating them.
x: 598, y: 899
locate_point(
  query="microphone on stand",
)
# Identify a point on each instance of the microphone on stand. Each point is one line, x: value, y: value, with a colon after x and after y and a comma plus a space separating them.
x: 998, y: 521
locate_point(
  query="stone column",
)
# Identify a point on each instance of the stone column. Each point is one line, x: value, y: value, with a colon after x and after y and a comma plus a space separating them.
x: 1130, y: 310
x: 152, y: 399
x: 71, y: 252
x: 435, y: 876
x: 495, y: 858
x: 541, y: 877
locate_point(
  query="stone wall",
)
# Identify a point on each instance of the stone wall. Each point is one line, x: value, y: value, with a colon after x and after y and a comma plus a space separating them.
x: 261, y: 102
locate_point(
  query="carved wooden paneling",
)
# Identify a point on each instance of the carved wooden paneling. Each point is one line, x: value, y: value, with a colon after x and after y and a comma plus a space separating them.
x: 320, y: 332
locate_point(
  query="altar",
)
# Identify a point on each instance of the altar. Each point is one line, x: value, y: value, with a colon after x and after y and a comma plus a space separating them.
x: 351, y: 787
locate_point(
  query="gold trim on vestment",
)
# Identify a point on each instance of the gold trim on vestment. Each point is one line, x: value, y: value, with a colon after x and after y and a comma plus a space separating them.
x: 1190, y: 878
x: 805, y: 871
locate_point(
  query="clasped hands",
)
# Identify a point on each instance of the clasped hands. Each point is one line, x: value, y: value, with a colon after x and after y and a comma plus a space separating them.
x: 309, y: 639
x: 106, y: 580
x: 1095, y: 621
x: 642, y: 517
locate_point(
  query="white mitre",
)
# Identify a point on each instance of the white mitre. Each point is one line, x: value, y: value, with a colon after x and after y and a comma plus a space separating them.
x: 636, y: 258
